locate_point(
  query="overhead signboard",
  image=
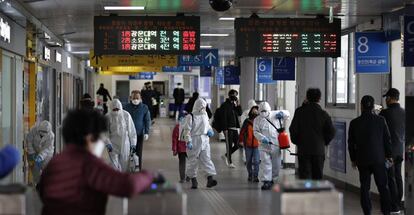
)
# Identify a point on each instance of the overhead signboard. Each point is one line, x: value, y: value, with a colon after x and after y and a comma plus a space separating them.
x: 146, y: 35
x: 264, y: 69
x: 231, y: 75
x: 284, y: 68
x: 408, y: 41
x: 298, y: 37
x: 142, y: 76
x: 176, y: 69
x: 134, y: 69
x: 206, y: 57
x: 137, y: 60
x: 371, y: 53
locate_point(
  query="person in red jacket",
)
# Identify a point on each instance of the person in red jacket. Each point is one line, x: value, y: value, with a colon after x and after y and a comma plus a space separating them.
x: 179, y: 148
x: 251, y: 145
x: 78, y: 181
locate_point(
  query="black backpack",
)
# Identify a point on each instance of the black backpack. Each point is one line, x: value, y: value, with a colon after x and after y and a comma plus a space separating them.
x: 217, y: 120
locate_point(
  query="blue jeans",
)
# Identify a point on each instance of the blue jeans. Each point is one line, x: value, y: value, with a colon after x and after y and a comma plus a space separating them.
x: 252, y: 161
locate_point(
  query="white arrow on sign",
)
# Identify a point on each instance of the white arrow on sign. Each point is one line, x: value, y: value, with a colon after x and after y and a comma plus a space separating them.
x: 210, y: 57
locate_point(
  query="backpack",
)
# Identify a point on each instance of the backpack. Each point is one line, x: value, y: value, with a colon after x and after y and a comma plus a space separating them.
x: 217, y: 120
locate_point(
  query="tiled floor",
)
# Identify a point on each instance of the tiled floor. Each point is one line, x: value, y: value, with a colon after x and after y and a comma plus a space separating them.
x: 233, y: 195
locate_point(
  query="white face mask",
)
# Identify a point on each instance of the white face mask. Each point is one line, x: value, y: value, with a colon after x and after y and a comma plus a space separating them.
x: 264, y: 114
x: 136, y: 101
x: 97, y: 148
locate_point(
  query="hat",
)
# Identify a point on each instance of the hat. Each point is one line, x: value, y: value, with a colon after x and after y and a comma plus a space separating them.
x: 393, y: 93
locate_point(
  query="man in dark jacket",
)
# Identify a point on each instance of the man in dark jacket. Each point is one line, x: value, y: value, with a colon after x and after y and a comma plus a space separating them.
x: 311, y: 130
x: 231, y: 111
x: 147, y: 94
x: 395, y: 117
x: 105, y: 95
x: 179, y: 97
x: 369, y: 145
x: 141, y: 116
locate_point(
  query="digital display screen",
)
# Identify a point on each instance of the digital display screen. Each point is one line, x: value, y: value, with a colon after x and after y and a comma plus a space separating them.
x: 146, y: 35
x: 299, y: 37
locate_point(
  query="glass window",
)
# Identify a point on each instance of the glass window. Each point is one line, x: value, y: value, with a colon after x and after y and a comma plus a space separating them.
x: 340, y: 77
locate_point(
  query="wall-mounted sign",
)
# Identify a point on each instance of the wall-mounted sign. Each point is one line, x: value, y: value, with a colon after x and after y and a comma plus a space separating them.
x: 371, y: 53
x: 69, y: 62
x: 207, y: 57
x: 284, y: 68
x: 46, y: 53
x: 299, y: 37
x: 408, y: 41
x: 138, y: 60
x: 142, y: 76
x: 58, y: 56
x: 176, y: 69
x: 5, y: 30
x: 264, y: 70
x: 231, y: 75
x: 219, y: 76
x: 134, y: 69
x: 144, y: 35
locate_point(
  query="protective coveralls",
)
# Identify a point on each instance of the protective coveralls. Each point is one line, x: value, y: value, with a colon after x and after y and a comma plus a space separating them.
x: 40, y: 147
x: 266, y: 133
x: 197, y: 132
x: 122, y: 136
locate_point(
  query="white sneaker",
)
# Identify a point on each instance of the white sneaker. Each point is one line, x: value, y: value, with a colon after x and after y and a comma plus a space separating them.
x: 232, y: 166
x: 395, y: 212
x: 224, y: 157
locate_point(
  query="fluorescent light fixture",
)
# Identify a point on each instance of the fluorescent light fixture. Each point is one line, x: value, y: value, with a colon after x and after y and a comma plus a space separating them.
x: 206, y: 47
x: 214, y: 35
x: 227, y: 18
x: 80, y: 52
x: 69, y: 62
x: 124, y: 7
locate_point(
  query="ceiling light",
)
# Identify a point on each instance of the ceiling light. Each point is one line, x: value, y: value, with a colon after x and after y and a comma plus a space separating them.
x: 227, y: 18
x: 214, y: 35
x: 206, y: 47
x: 124, y: 7
x: 80, y: 52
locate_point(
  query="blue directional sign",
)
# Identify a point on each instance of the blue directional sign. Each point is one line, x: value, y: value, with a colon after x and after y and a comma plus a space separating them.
x: 337, y: 148
x: 207, y: 57
x: 206, y: 71
x: 176, y: 69
x: 371, y: 53
x: 219, y: 75
x: 284, y: 68
x: 142, y: 76
x: 231, y: 75
x: 408, y: 41
x: 264, y: 68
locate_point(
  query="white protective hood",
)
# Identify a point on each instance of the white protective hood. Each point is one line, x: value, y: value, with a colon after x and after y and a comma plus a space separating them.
x: 251, y: 104
x: 264, y: 106
x: 200, y: 106
x: 116, y: 104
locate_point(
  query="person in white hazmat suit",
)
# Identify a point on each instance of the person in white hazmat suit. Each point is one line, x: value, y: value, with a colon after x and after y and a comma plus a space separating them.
x: 197, y: 132
x: 122, y: 136
x: 265, y: 130
x: 40, y: 147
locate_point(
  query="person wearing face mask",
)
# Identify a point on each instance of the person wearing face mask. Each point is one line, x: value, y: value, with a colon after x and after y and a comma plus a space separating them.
x: 197, y: 132
x: 179, y: 147
x: 266, y: 132
x: 78, y: 181
x: 141, y: 117
x: 122, y: 136
x: 243, y: 117
x: 251, y: 145
x: 40, y: 147
x: 231, y: 111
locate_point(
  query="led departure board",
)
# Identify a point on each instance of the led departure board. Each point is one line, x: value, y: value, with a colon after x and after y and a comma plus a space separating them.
x: 146, y: 35
x: 299, y: 37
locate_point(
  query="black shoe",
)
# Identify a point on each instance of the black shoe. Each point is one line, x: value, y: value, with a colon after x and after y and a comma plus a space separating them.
x: 211, y: 182
x: 187, y: 179
x: 267, y: 185
x: 194, y: 183
x: 250, y: 179
x: 256, y: 180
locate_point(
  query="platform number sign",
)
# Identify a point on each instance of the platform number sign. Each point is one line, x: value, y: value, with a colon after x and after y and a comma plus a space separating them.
x: 371, y: 53
x: 264, y: 70
x: 408, y: 41
x: 284, y: 68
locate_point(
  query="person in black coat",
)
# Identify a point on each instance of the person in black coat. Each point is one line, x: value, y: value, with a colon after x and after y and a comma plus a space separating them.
x: 147, y: 94
x: 395, y: 117
x: 190, y: 104
x: 102, y: 91
x: 311, y: 131
x: 179, y: 97
x: 231, y: 111
x: 369, y: 145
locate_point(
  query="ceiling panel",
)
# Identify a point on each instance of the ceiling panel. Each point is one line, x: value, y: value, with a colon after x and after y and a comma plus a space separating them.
x: 73, y: 19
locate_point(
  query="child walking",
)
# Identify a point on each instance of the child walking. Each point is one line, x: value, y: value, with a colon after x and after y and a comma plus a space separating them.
x: 179, y: 148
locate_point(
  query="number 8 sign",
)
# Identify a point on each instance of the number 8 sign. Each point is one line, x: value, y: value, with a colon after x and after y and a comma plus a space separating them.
x: 371, y: 53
